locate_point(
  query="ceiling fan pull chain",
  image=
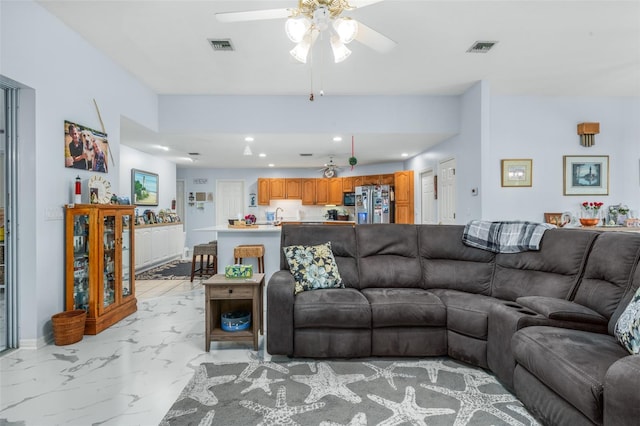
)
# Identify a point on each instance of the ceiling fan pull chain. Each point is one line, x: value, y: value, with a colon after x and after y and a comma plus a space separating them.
x: 311, y: 74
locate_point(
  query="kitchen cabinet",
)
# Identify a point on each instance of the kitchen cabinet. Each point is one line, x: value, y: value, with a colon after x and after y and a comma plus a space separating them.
x: 335, y: 191
x: 308, y: 191
x: 264, y: 191
x: 371, y: 180
x: 388, y: 179
x: 99, y: 263
x: 293, y: 189
x: 347, y: 184
x: 322, y: 191
x: 403, y: 189
x: 277, y: 189
x: 357, y: 181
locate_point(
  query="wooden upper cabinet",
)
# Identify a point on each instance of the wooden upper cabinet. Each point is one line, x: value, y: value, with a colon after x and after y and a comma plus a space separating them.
x: 404, y: 196
x: 308, y: 191
x: 277, y: 189
x: 357, y: 181
x: 264, y: 191
x: 294, y: 189
x: 335, y: 191
x: 388, y: 179
x: 322, y: 191
x: 404, y: 186
x: 347, y: 184
x: 371, y: 180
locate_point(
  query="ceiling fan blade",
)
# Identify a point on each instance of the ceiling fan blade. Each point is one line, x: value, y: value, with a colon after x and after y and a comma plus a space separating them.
x: 370, y: 37
x: 253, y: 15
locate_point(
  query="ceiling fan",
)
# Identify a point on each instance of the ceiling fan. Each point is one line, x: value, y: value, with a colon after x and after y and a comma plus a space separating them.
x: 330, y: 169
x: 311, y: 18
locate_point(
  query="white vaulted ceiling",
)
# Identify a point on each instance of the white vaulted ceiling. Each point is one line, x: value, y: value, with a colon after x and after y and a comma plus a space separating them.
x: 558, y: 48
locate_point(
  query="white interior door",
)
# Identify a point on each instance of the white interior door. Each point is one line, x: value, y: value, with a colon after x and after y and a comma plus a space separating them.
x: 428, y: 197
x: 180, y: 201
x: 447, y: 192
x: 229, y: 200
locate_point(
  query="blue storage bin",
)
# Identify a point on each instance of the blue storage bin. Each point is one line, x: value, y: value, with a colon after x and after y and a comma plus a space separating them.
x: 235, y: 321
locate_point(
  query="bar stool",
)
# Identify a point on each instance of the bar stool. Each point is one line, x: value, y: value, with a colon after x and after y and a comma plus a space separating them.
x: 250, y: 250
x: 208, y: 266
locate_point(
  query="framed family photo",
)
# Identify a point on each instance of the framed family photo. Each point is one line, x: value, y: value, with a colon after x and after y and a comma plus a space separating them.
x: 516, y: 172
x: 85, y: 148
x: 586, y: 175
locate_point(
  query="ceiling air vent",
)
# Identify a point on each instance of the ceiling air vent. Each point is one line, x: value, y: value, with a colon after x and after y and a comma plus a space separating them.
x: 481, y: 46
x: 194, y: 153
x: 306, y: 155
x: 222, y: 45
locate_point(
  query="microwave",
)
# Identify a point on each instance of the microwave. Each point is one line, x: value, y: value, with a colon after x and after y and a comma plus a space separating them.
x: 349, y: 199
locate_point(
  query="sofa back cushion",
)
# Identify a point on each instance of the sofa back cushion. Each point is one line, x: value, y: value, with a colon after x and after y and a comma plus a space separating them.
x: 448, y: 263
x: 343, y: 245
x: 552, y: 271
x: 608, y: 272
x: 388, y: 256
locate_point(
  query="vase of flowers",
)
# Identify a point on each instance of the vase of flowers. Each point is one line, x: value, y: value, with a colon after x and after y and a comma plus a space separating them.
x: 590, y: 215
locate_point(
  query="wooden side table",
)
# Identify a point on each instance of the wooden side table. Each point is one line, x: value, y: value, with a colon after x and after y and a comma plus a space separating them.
x: 224, y: 294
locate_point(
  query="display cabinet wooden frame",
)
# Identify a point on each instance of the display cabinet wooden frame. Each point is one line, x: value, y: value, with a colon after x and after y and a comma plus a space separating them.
x: 99, y: 257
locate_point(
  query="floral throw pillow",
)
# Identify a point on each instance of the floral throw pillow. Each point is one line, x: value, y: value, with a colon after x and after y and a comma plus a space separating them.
x: 627, y: 329
x: 313, y: 267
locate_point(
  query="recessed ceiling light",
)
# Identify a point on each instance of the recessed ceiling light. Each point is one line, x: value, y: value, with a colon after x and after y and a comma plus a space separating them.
x: 337, y: 138
x: 404, y: 154
x: 248, y: 139
x: 247, y: 151
x: 262, y: 154
x: 164, y: 148
x: 271, y: 165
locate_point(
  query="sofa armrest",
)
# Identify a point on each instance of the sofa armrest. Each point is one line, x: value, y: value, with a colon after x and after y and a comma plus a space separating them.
x: 621, y: 396
x: 561, y: 310
x: 280, y: 301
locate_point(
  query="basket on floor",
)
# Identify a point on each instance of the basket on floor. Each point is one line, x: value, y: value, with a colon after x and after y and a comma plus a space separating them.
x: 68, y: 327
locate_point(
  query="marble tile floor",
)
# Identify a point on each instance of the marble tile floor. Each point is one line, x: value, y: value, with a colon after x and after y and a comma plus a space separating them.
x: 130, y: 374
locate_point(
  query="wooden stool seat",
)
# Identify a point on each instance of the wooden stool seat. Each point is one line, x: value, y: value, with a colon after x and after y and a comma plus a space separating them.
x: 250, y: 250
x: 208, y: 266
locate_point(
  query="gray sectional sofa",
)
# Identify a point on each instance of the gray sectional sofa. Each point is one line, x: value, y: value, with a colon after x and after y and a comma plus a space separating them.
x: 541, y: 321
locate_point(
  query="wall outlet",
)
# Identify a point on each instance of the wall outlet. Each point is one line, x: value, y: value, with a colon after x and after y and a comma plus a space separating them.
x: 53, y: 213
x: 474, y: 191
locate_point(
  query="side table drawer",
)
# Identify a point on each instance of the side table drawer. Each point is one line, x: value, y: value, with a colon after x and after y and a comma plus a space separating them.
x: 230, y: 292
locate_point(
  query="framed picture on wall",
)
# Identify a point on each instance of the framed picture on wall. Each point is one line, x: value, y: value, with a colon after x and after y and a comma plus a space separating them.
x: 85, y: 148
x: 586, y: 175
x: 516, y: 172
x: 144, y: 188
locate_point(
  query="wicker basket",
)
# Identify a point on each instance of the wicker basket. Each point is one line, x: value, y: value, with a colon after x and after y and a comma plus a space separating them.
x: 68, y: 327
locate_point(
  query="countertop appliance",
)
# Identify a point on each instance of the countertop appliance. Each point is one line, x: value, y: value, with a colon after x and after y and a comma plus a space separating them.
x: 374, y: 204
x: 332, y: 214
x: 349, y: 199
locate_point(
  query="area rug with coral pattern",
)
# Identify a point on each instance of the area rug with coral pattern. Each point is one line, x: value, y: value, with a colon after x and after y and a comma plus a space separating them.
x: 437, y: 391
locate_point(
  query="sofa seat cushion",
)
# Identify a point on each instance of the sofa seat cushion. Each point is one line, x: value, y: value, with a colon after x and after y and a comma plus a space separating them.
x: 572, y: 363
x: 405, y: 307
x: 331, y: 308
x: 467, y: 313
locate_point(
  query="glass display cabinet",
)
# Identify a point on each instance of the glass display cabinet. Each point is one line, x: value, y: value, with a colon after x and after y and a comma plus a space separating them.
x: 100, y: 276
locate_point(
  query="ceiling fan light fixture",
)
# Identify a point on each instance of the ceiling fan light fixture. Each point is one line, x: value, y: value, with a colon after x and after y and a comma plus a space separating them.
x: 340, y: 51
x: 301, y: 51
x: 296, y: 28
x: 346, y: 28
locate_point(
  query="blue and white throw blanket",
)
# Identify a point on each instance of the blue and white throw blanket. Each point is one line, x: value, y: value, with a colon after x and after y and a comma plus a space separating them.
x: 504, y: 237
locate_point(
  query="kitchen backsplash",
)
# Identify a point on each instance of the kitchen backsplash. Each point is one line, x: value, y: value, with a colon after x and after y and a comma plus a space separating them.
x: 294, y: 210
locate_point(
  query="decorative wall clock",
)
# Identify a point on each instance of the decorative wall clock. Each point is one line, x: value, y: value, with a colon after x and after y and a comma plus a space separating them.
x: 101, y: 186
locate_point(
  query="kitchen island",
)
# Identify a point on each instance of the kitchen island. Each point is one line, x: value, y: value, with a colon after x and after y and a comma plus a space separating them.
x: 228, y: 238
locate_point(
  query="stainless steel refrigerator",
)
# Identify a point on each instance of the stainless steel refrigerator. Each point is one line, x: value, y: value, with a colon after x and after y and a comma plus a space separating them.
x: 374, y: 204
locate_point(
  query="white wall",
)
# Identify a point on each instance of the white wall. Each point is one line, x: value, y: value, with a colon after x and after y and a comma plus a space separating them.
x: 133, y: 159
x: 39, y: 52
x: 544, y: 129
